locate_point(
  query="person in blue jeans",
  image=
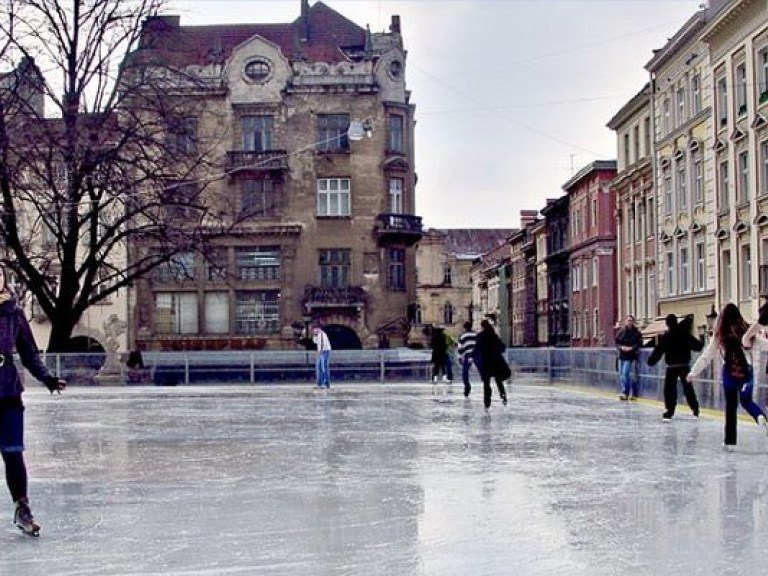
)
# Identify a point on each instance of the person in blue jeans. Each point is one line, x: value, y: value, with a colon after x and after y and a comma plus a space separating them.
x: 323, y: 345
x: 628, y: 342
x: 729, y: 344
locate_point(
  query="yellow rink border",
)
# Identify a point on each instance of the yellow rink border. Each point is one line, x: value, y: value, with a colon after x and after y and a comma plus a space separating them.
x: 703, y: 412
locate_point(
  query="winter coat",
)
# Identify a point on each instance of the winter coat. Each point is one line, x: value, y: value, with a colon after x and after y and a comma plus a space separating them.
x: 675, y: 345
x: 439, y: 347
x: 15, y: 334
x: 714, y: 351
x: 629, y: 337
x: 488, y: 356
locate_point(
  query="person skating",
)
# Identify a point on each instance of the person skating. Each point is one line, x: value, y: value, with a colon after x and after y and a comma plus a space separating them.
x: 466, y: 348
x: 488, y: 356
x: 675, y: 346
x: 628, y: 342
x: 15, y: 334
x: 439, y: 357
x: 727, y: 345
x: 323, y: 346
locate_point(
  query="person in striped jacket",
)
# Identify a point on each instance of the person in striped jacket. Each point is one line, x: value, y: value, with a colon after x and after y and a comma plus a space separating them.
x: 466, y: 347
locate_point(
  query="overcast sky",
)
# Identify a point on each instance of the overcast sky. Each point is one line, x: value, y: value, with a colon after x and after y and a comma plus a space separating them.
x: 512, y: 96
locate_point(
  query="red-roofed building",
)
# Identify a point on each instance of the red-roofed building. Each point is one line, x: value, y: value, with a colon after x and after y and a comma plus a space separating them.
x: 311, y: 127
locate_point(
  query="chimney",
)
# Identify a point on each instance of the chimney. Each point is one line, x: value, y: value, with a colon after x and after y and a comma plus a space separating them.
x: 395, y: 26
x: 304, y: 24
x: 527, y: 217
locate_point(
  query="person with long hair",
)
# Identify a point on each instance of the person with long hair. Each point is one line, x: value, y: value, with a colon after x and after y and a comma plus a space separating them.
x: 727, y: 345
x: 488, y: 356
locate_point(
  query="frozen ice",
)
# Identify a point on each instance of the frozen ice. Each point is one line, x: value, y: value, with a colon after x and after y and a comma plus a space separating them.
x: 371, y: 479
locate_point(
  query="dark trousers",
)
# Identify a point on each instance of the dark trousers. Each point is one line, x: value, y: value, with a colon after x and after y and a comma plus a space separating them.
x: 15, y: 474
x: 671, y: 376
x: 487, y: 390
x: 735, y: 393
x: 466, y: 362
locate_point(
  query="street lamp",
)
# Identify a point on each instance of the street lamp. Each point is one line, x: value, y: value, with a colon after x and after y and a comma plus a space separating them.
x: 711, y: 319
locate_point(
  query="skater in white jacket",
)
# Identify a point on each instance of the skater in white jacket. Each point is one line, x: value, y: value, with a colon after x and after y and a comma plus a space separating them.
x: 728, y: 347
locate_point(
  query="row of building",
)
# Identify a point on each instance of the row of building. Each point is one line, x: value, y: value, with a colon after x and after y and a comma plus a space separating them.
x: 677, y: 224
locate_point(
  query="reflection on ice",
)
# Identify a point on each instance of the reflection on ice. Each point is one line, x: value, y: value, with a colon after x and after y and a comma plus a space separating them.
x: 382, y: 480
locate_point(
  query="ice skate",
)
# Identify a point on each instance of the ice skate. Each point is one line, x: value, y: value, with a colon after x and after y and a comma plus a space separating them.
x: 23, y: 519
x: 763, y: 423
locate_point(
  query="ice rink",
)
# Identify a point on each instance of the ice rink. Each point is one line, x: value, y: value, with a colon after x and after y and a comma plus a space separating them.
x: 383, y: 480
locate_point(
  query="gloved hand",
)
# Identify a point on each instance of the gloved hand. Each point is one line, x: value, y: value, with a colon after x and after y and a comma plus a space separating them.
x: 55, y: 384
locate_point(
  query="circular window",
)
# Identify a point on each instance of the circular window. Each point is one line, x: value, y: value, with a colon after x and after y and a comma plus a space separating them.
x: 257, y: 70
x: 395, y: 68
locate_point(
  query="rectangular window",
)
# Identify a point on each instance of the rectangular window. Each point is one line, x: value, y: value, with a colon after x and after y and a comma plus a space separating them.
x: 259, y: 198
x: 333, y: 197
x: 335, y: 267
x: 723, y: 192
x: 332, y: 132
x: 258, y: 133
x: 648, y: 135
x: 741, y: 89
x: 181, y: 135
x: 216, y: 266
x: 666, y: 116
x: 762, y: 75
x: 670, y: 261
x: 447, y: 274
x: 396, y: 195
x: 701, y: 266
x: 743, y: 189
x: 698, y: 182
x: 216, y: 313
x: 682, y: 187
x: 641, y: 305
x: 763, y: 167
x: 180, y: 268
x: 258, y: 263
x: 175, y: 313
x: 680, y: 105
x: 685, y: 271
x: 595, y: 271
x: 636, y: 143
x: 397, y: 269
x: 745, y: 266
x: 257, y: 312
x: 722, y: 103
x: 726, y: 269
x: 667, y: 183
x: 627, y: 152
x: 396, y: 139
x: 651, y: 230
x: 180, y: 201
x: 695, y: 95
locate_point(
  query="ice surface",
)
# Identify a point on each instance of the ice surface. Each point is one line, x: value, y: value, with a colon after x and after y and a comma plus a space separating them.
x: 372, y: 480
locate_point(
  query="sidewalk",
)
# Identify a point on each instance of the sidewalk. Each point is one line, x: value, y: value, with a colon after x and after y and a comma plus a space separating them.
x: 379, y: 480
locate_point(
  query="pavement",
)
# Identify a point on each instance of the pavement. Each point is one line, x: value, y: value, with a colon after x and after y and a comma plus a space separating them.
x: 371, y: 479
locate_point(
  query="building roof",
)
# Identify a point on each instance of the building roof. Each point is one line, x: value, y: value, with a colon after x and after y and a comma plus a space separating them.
x: 322, y: 34
x: 471, y: 243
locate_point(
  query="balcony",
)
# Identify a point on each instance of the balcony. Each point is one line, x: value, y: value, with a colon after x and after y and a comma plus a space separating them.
x: 252, y: 161
x: 398, y: 228
x: 317, y: 297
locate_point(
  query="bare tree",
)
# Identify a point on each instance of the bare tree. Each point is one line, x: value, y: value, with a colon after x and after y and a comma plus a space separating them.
x: 116, y: 163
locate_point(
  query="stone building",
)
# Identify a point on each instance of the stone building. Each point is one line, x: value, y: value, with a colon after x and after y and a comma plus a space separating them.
x: 311, y: 128
x: 635, y: 211
x: 444, y: 263
x: 522, y: 285
x: 556, y: 215
x: 592, y: 258
x: 682, y: 101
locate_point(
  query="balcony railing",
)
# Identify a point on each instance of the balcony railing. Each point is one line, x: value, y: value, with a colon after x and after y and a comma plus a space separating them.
x: 324, y: 297
x: 250, y: 160
x: 404, y: 228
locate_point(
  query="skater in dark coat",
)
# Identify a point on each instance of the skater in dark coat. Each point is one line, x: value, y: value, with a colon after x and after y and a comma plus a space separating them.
x: 439, y: 359
x: 15, y: 335
x: 675, y: 346
x: 488, y: 356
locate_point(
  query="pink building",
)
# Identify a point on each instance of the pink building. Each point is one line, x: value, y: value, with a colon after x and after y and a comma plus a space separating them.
x: 592, y: 244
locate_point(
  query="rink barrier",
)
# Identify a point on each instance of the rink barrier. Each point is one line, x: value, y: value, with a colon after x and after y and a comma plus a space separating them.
x: 594, y: 367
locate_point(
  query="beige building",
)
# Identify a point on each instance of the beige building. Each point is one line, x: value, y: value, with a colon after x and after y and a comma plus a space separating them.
x: 737, y: 38
x: 682, y: 115
x: 539, y: 237
x: 635, y: 210
x: 312, y: 129
x: 444, y: 262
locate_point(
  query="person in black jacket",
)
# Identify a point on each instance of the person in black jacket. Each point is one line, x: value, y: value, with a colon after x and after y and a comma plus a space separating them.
x: 675, y: 345
x: 488, y: 356
x: 628, y: 342
x: 15, y: 335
